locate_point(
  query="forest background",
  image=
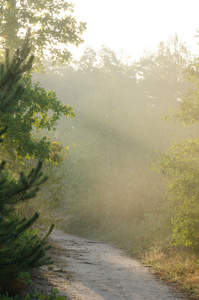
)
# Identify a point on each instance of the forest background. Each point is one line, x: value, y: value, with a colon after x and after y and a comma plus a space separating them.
x: 131, y: 174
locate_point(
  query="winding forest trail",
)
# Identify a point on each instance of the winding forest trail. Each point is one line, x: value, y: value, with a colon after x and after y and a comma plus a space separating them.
x: 90, y: 270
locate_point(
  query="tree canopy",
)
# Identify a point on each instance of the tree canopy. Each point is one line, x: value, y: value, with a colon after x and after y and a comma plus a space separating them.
x: 52, y: 24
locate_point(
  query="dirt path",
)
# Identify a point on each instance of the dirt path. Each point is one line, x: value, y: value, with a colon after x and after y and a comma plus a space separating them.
x: 88, y: 270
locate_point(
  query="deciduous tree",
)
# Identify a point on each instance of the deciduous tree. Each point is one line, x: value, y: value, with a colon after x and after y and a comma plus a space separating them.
x: 52, y: 24
x: 181, y: 164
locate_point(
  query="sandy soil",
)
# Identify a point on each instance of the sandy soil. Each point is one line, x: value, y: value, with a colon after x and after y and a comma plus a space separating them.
x: 88, y: 270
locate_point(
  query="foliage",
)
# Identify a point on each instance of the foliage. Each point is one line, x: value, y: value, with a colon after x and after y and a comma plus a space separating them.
x: 34, y: 295
x: 52, y: 24
x: 188, y: 111
x: 181, y: 164
x: 36, y: 110
x: 27, y: 138
x: 19, y: 250
x: 49, y: 200
x: 53, y: 295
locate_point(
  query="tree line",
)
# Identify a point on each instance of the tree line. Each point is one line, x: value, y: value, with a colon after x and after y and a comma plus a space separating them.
x: 121, y: 134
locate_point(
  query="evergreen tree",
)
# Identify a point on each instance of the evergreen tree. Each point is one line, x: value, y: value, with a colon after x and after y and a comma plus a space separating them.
x: 20, y: 248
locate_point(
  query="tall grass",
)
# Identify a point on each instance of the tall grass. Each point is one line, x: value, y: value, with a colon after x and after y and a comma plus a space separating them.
x: 134, y: 237
x: 176, y: 265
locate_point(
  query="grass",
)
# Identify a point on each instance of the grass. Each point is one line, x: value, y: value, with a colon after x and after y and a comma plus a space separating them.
x: 180, y: 266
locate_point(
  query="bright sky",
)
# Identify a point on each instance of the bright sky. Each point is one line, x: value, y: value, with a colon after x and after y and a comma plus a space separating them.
x: 135, y: 25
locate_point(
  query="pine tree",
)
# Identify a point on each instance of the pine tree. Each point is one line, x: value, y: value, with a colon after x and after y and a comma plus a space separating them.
x: 20, y: 249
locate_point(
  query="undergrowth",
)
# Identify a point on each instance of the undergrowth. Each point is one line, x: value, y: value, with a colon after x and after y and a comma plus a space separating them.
x: 176, y: 265
x: 34, y: 295
x: 134, y: 237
